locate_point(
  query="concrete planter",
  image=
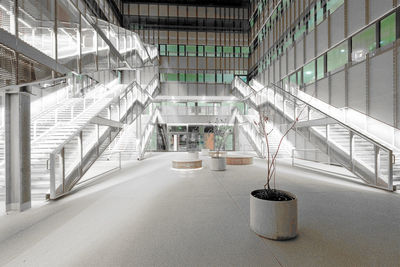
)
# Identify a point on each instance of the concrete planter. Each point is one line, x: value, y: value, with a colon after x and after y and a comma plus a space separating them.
x: 192, y: 155
x: 205, y: 152
x: 275, y: 220
x: 217, y: 164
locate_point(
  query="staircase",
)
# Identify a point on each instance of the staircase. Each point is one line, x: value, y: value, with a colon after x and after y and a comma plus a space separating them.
x: 324, y: 126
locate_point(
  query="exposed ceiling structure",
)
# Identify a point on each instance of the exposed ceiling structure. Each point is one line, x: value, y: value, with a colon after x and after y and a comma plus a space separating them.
x: 220, y: 3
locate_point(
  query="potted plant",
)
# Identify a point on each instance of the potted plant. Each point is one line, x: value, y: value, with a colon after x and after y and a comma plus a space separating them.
x: 273, y: 212
x: 221, y: 131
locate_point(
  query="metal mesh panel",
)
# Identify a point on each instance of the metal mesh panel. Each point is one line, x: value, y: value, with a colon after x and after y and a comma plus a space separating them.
x: 7, y: 66
x: 29, y: 70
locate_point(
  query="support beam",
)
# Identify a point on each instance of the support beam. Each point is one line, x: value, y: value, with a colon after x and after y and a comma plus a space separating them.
x: 18, y: 150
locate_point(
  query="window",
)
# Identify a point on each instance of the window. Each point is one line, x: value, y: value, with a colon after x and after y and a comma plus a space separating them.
x: 210, y: 51
x: 245, y: 51
x: 191, y: 50
x: 388, y: 30
x: 172, y: 50
x: 311, y: 21
x: 228, y: 78
x: 181, y: 50
x: 200, y: 51
x: 363, y: 43
x: 210, y: 78
x: 293, y: 79
x: 228, y: 51
x: 320, y: 12
x: 182, y: 77
x: 337, y: 57
x: 172, y: 77
x: 237, y: 51
x: 163, y: 77
x: 219, y: 77
x: 219, y: 51
x: 332, y: 5
x: 320, y: 67
x: 163, y: 50
x: 191, y: 77
x: 309, y: 72
x: 200, y: 77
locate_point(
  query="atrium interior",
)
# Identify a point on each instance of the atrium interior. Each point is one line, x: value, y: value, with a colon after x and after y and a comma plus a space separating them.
x: 199, y: 133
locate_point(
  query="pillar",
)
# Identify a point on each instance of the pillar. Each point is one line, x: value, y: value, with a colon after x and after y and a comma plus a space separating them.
x: 18, y: 150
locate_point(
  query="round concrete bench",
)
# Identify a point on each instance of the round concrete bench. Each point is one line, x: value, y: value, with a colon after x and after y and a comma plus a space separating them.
x: 239, y: 160
x: 187, y: 164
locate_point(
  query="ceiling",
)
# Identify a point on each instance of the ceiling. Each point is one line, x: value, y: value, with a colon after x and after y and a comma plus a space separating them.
x: 218, y: 3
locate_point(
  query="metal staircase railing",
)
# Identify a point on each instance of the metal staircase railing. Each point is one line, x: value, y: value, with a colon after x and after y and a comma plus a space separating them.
x: 71, y: 159
x: 323, y: 126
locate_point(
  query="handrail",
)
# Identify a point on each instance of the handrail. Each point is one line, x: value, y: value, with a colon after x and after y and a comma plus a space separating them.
x: 350, y: 128
x: 282, y: 99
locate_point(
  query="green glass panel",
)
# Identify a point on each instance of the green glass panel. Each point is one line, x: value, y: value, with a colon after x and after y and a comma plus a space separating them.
x: 219, y: 77
x: 210, y: 78
x: 320, y: 67
x: 309, y: 72
x: 320, y: 13
x: 228, y: 78
x: 163, y: 50
x: 191, y: 50
x: 228, y: 51
x: 210, y: 51
x: 191, y: 77
x: 337, y: 57
x: 200, y: 50
x: 293, y: 79
x: 181, y: 50
x: 163, y: 77
x: 388, y: 30
x: 182, y: 77
x: 200, y: 77
x: 245, y: 51
x: 172, y: 50
x: 363, y: 43
x: 172, y: 77
x: 219, y: 51
x: 237, y: 51
x: 311, y: 21
x: 332, y: 5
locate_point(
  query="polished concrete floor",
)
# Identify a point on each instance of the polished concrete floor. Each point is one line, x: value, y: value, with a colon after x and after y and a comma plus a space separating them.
x: 150, y: 215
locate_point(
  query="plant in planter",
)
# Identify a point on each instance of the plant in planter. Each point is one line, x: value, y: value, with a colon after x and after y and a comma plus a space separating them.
x: 221, y: 131
x: 273, y: 212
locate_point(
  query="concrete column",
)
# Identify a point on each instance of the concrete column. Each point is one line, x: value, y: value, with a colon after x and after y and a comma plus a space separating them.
x: 18, y: 151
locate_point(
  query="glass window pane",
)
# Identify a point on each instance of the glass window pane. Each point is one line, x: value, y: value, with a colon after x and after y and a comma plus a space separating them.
x: 210, y: 51
x: 172, y: 77
x: 172, y: 50
x: 320, y: 67
x: 200, y: 77
x: 388, y: 30
x: 219, y: 77
x: 245, y: 51
x: 228, y: 77
x: 363, y: 43
x: 219, y: 51
x: 210, y: 78
x: 191, y: 50
x: 191, y: 77
x: 237, y: 51
x: 309, y: 72
x: 181, y: 50
x: 228, y: 51
x: 200, y: 50
x: 332, y: 5
x: 163, y: 50
x: 182, y: 77
x: 337, y: 57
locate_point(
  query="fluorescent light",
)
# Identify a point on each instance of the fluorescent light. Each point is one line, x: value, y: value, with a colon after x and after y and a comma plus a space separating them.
x: 308, y: 72
x: 342, y: 50
x: 5, y: 9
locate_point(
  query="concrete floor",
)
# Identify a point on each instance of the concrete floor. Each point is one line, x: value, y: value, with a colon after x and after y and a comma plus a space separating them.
x: 150, y: 215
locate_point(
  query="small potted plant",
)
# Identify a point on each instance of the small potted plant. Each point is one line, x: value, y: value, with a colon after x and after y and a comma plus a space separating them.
x: 273, y: 212
x: 218, y: 158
